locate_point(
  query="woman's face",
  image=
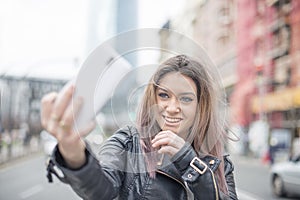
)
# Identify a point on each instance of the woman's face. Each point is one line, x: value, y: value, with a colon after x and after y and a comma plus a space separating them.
x: 176, y: 96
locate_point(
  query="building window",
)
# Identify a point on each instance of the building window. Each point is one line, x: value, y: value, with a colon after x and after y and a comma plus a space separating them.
x: 260, y: 7
x: 225, y: 13
x: 282, y: 73
x: 281, y: 41
x: 224, y: 38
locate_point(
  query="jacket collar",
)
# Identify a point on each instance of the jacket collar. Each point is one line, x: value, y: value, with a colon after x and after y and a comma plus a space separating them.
x: 211, y: 161
x: 170, y: 169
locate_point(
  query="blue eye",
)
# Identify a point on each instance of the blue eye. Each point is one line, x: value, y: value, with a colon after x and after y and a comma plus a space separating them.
x: 186, y: 99
x: 163, y: 95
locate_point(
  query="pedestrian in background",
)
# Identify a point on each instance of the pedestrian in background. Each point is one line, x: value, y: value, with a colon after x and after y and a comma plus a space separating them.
x: 175, y: 151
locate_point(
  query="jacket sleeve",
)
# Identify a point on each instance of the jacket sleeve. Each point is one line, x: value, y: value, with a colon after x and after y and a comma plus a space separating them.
x: 199, y: 175
x: 229, y: 176
x: 96, y: 180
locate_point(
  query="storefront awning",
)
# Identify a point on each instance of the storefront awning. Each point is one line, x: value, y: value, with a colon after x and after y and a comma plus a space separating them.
x: 277, y: 101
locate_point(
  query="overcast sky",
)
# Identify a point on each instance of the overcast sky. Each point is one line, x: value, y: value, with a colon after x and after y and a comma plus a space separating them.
x: 33, y: 30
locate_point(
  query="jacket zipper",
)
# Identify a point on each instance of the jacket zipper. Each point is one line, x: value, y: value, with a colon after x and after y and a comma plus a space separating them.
x: 161, y: 172
x: 215, y: 184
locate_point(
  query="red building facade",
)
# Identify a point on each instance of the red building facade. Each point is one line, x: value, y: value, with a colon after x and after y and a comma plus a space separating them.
x: 268, y: 64
x: 240, y: 101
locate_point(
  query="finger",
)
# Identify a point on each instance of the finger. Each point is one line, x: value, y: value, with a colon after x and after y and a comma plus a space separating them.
x: 67, y: 121
x: 60, y: 105
x: 46, y: 107
x: 163, y: 134
x: 169, y: 139
x: 168, y: 150
x: 162, y: 142
x: 62, y: 101
x: 49, y: 122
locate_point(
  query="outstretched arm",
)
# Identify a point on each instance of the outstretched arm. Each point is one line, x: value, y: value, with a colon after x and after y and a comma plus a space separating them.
x: 94, y: 180
x: 57, y: 117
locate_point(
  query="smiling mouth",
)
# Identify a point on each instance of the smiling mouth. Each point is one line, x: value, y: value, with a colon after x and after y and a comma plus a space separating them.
x: 172, y: 120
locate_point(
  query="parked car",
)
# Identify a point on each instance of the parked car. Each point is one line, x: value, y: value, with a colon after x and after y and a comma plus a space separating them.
x: 285, y: 178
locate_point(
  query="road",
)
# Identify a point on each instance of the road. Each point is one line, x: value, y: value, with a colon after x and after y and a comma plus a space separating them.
x: 253, y: 179
x: 27, y: 180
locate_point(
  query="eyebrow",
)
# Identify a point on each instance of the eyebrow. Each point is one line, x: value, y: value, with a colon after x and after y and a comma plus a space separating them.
x: 183, y: 93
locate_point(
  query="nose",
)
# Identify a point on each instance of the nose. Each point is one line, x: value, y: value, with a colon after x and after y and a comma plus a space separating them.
x: 173, y: 106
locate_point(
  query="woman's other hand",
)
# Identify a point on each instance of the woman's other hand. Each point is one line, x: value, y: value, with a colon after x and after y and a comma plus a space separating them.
x: 168, y: 142
x: 57, y: 117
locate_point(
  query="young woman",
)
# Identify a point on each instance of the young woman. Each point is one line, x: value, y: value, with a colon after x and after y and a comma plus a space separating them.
x: 175, y: 151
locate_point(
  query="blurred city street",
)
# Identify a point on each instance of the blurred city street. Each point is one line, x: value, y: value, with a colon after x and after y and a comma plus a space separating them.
x: 254, y: 46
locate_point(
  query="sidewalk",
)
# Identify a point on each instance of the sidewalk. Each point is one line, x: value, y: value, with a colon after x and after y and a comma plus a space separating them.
x: 249, y: 159
x: 18, y: 150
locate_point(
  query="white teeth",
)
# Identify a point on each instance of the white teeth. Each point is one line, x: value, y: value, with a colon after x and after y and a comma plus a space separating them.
x: 172, y: 120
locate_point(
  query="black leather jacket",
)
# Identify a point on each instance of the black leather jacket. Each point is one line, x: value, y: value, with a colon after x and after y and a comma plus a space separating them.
x: 121, y: 173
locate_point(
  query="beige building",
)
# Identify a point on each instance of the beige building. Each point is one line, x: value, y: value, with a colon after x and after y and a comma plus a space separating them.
x: 211, y: 25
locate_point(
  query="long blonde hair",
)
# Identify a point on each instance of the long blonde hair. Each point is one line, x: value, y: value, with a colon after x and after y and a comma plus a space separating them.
x: 207, y: 128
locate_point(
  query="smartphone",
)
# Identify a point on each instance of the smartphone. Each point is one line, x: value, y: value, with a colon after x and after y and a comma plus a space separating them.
x: 96, y: 82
